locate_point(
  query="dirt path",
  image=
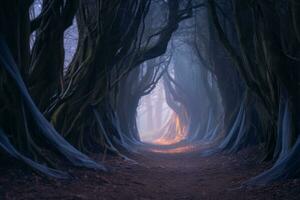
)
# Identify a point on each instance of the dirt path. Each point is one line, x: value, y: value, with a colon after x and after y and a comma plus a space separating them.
x: 163, y: 176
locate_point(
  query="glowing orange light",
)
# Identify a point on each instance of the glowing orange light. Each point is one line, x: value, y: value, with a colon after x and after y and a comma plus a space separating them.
x: 174, y: 132
x: 176, y: 150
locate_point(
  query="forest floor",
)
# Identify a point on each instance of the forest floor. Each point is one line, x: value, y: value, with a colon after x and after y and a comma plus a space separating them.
x: 160, y: 173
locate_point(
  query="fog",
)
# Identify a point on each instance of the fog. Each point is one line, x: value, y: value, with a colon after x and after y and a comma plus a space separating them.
x: 153, y: 113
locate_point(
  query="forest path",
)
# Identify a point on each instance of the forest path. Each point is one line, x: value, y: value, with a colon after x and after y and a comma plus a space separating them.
x: 159, y: 174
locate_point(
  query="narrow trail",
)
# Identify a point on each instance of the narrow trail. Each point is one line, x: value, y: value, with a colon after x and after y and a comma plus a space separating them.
x: 159, y: 174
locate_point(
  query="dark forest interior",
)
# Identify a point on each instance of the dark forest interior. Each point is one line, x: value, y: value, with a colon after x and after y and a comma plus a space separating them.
x: 150, y: 99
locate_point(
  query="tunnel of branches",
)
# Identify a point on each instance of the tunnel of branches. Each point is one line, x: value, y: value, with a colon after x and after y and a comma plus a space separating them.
x: 79, y: 77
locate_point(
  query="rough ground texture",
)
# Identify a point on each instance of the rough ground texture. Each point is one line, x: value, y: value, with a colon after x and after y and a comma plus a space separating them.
x: 160, y: 174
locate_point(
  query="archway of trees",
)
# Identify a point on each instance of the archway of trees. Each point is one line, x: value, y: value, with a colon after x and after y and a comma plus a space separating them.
x: 75, y: 75
x: 185, y: 82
